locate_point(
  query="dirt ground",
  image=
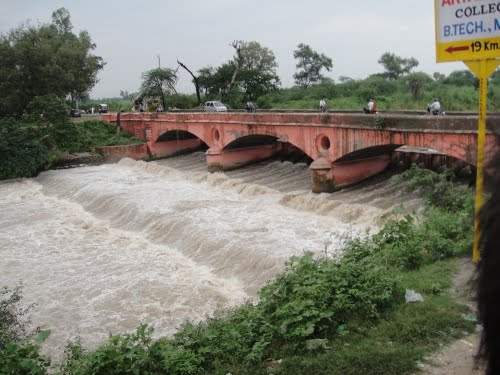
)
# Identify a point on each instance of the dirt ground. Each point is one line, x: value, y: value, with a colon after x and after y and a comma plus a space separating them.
x: 458, y: 358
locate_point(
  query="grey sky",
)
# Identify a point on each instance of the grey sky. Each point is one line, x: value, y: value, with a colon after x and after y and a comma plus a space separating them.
x: 130, y: 34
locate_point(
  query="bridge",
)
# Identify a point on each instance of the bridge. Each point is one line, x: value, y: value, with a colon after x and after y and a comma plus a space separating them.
x: 345, y: 148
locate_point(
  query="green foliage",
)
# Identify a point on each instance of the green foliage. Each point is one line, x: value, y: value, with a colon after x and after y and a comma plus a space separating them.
x: 23, y: 357
x: 159, y: 83
x: 30, y: 146
x: 374, y: 87
x: 97, y: 133
x: 14, y: 319
x: 379, y: 122
x: 462, y: 78
x: 417, y: 82
x: 396, y: 66
x: 23, y: 151
x: 439, y: 190
x: 131, y: 353
x: 310, y: 63
x: 50, y: 115
x: 312, y: 296
x: 408, y: 243
x: 181, y: 101
x: 45, y: 59
x: 19, y: 346
x: 255, y: 68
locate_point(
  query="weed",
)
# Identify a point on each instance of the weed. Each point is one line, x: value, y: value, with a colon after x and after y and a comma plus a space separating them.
x: 379, y: 122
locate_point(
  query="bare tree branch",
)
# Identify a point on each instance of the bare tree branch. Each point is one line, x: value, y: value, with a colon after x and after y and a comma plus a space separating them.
x: 195, y: 79
x: 237, y: 45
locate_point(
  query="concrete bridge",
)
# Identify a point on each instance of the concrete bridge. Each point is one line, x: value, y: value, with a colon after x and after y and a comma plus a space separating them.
x: 345, y: 148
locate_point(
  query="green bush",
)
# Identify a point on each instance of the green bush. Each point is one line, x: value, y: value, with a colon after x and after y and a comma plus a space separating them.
x: 23, y: 150
x: 97, y: 133
x: 314, y: 295
x: 19, y: 346
x: 30, y: 146
x: 23, y: 357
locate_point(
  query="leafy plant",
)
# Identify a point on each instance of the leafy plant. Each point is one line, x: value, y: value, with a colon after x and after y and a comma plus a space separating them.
x: 22, y: 150
x: 23, y: 357
x: 19, y: 345
x: 379, y: 122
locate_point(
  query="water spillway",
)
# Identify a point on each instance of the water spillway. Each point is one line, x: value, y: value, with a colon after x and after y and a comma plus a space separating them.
x: 104, y: 248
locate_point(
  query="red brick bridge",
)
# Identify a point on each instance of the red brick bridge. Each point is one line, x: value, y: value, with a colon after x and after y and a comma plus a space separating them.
x: 345, y: 147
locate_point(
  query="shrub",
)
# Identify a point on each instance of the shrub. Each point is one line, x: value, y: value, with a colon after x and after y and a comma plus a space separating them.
x: 22, y: 150
x: 314, y: 295
x: 19, y: 346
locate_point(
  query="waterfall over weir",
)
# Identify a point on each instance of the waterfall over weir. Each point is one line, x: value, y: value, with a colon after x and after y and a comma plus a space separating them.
x: 104, y: 248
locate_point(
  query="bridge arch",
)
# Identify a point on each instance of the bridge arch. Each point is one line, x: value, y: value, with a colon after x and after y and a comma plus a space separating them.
x: 175, y: 142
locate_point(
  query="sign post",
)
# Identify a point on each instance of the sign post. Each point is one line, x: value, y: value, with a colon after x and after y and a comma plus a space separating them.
x: 469, y: 31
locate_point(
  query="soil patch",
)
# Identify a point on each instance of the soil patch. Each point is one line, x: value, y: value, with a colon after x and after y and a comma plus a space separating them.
x: 458, y: 357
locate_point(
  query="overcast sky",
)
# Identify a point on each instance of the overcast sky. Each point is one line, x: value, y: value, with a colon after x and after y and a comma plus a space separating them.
x: 130, y: 34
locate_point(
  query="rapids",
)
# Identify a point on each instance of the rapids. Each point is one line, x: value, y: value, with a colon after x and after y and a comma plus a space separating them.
x: 102, y: 249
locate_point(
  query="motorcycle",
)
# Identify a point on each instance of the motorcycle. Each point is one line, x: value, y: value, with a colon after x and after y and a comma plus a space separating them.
x: 436, y: 112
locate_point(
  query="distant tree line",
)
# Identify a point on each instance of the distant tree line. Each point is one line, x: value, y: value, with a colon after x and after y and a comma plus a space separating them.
x: 49, y: 59
x: 251, y: 75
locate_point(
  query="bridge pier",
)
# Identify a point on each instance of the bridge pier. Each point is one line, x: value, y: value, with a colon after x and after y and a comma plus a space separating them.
x: 322, y: 176
x: 225, y: 160
x: 327, y: 178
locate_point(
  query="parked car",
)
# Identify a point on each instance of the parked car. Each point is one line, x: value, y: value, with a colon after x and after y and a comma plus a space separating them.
x: 215, y: 106
x: 75, y: 113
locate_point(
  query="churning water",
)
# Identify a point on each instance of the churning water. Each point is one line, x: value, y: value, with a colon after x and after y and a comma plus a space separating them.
x: 104, y: 248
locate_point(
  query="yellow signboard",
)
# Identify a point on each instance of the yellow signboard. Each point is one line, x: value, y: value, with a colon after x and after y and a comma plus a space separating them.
x: 467, y: 30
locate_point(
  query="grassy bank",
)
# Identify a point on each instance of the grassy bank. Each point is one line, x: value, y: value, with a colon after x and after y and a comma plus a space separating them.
x: 323, y: 316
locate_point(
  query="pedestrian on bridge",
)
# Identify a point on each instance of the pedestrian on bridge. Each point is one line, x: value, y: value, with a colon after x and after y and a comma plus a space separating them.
x: 322, y: 105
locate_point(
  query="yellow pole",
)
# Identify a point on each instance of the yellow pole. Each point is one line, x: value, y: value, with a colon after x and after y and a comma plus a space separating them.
x: 481, y: 137
x: 482, y: 69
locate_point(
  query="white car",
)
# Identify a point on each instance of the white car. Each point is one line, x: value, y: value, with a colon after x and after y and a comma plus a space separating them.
x: 215, y: 106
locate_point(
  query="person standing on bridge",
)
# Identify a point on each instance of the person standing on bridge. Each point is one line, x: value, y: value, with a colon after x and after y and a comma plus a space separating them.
x: 249, y: 107
x: 322, y: 105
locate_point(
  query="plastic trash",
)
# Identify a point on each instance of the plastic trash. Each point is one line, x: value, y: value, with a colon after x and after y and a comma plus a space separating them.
x: 412, y: 296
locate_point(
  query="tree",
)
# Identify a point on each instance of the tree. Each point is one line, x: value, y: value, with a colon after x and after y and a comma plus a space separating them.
x: 127, y: 95
x: 495, y: 77
x: 310, y: 64
x: 462, y: 78
x: 251, y: 73
x: 344, y: 79
x: 438, y: 76
x: 416, y: 83
x: 375, y: 86
x: 195, y: 81
x: 158, y: 83
x: 256, y: 57
x: 238, y: 63
x: 45, y: 59
x: 258, y: 73
x: 396, y: 66
x: 256, y: 83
